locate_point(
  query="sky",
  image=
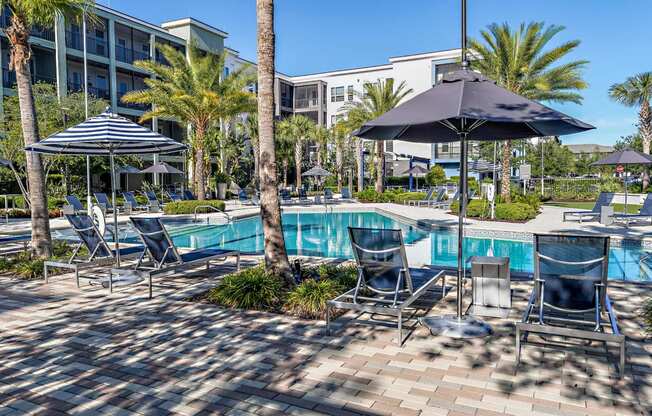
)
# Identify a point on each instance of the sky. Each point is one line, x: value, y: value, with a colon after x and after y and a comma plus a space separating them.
x: 314, y: 36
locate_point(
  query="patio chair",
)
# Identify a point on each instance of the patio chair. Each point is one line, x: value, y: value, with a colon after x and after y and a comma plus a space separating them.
x: 446, y: 204
x: 386, y: 284
x: 428, y: 197
x: 303, y: 197
x: 644, y: 213
x: 132, y: 203
x: 103, y: 201
x: 91, y: 238
x: 164, y: 257
x: 16, y: 243
x: 603, y: 200
x: 243, y: 198
x: 436, y: 197
x: 328, y: 196
x: 188, y: 195
x: 174, y: 197
x: 346, y: 195
x: 152, y: 201
x: 286, y: 198
x: 75, y: 204
x: 569, y: 298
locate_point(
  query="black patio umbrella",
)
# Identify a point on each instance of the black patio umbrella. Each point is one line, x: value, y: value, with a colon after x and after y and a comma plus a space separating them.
x: 128, y: 170
x: 161, y: 167
x: 625, y: 158
x: 467, y: 106
x: 416, y: 170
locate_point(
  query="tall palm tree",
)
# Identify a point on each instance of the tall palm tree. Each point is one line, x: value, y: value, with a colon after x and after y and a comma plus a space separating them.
x: 284, y: 147
x: 23, y: 15
x: 321, y: 135
x: 339, y: 135
x: 377, y: 99
x: 251, y: 131
x: 276, y: 258
x: 637, y: 91
x: 298, y: 129
x: 194, y: 92
x: 517, y: 59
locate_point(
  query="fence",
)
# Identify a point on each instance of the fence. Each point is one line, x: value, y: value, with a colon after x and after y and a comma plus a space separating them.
x: 573, y: 189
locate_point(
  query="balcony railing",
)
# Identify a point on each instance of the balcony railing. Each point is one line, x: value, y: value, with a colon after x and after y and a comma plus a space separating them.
x: 306, y: 102
x: 129, y: 55
x: 9, y: 78
x: 39, y: 32
x: 94, y: 91
x: 141, y: 107
x: 95, y: 46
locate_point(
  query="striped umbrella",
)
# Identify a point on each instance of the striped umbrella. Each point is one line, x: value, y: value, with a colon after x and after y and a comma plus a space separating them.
x: 107, y: 135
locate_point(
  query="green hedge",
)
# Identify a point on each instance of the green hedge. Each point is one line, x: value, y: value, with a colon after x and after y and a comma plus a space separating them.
x: 188, y: 207
x: 514, y: 211
x: 395, y: 195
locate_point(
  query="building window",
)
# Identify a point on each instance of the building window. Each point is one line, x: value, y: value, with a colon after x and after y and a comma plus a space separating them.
x: 226, y: 71
x: 337, y: 94
x: 439, y: 70
x: 444, y: 148
x: 349, y: 93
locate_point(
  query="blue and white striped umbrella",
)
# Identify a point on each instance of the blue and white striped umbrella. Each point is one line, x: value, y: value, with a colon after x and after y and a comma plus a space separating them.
x: 107, y: 134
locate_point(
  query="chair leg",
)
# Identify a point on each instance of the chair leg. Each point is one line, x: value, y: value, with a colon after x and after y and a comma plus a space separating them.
x: 518, y: 346
x: 45, y: 273
x: 622, y: 359
x: 328, y: 320
x: 400, y: 329
x: 77, y: 276
x: 150, y: 285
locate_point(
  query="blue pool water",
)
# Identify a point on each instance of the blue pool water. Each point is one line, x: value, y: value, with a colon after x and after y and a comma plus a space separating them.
x: 325, y: 235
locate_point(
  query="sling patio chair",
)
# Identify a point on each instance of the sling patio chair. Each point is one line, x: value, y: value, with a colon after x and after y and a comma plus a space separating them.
x: 286, y: 198
x: 328, y: 196
x: 243, y: 198
x: 132, y: 203
x: 75, y: 204
x: 153, y: 202
x: 346, y: 195
x: 428, y: 197
x: 386, y: 284
x: 436, y: 197
x: 604, y: 200
x: 163, y: 256
x: 303, y: 197
x: 91, y: 238
x: 570, y: 299
x: 174, y: 197
x: 188, y: 195
x: 645, y: 213
x: 103, y: 201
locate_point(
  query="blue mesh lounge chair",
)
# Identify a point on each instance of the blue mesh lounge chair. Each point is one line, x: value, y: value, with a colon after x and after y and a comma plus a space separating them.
x: 303, y: 196
x: 328, y: 195
x: 436, y: 197
x: 346, y: 194
x: 75, y: 203
x: 152, y: 201
x: 386, y: 284
x: 286, y: 198
x: 103, y: 201
x: 174, y: 197
x: 243, y: 198
x: 163, y: 255
x: 428, y: 197
x: 16, y: 243
x: 130, y: 200
x: 570, y: 297
x: 603, y: 200
x: 188, y: 195
x: 98, y: 250
x: 645, y: 213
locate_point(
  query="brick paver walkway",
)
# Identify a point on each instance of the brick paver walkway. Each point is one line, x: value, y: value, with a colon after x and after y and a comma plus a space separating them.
x: 63, y: 350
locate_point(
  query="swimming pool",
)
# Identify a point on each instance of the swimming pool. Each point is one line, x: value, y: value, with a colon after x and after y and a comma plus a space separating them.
x: 325, y: 235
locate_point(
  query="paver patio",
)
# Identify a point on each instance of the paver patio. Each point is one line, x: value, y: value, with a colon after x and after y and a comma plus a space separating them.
x: 70, y: 351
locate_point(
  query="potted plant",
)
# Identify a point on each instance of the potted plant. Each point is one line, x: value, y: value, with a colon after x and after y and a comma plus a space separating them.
x: 221, y: 181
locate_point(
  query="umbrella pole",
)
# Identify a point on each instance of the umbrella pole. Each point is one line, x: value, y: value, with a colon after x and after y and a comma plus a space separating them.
x: 115, y: 211
x: 625, y: 190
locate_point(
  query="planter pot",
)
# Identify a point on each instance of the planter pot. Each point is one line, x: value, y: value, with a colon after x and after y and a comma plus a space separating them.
x: 221, y: 191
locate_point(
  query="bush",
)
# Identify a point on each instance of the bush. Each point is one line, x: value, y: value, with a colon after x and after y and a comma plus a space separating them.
x: 221, y: 177
x: 515, y: 211
x: 476, y: 208
x: 345, y: 276
x: 409, y: 196
x: 252, y: 288
x: 370, y: 195
x: 436, y: 176
x: 647, y: 316
x: 308, y: 300
x: 188, y: 207
x: 25, y: 266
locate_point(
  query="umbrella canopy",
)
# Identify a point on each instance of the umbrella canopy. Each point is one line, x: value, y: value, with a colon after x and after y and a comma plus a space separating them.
x: 316, y: 171
x: 161, y: 167
x: 416, y: 170
x: 467, y: 102
x: 107, y: 134
x: 128, y: 169
x: 625, y: 157
x: 482, y: 166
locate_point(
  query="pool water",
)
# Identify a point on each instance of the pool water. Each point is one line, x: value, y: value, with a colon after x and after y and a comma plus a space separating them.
x: 326, y: 235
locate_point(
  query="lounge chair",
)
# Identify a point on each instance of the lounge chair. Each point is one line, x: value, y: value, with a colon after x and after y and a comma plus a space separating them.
x: 103, y: 201
x: 16, y: 243
x: 428, y: 197
x: 436, y: 197
x: 188, y: 195
x: 446, y: 204
x: 346, y: 195
x: 328, y: 196
x: 303, y: 197
x: 286, y: 198
x: 644, y: 213
x: 603, y: 200
x: 152, y: 201
x: 75, y: 204
x: 243, y: 198
x: 174, y: 197
x: 163, y: 256
x: 386, y: 284
x: 98, y: 249
x: 132, y: 203
x: 570, y: 297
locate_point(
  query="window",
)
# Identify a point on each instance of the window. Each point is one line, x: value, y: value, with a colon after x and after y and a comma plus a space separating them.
x: 444, y: 148
x: 122, y: 42
x: 122, y: 88
x: 99, y: 33
x: 349, y: 93
x: 226, y: 71
x: 306, y: 96
x: 439, y: 70
x: 337, y: 94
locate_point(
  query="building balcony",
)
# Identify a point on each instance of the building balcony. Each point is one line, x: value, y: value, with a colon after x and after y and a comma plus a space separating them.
x: 140, y: 107
x: 43, y: 33
x: 95, y: 46
x: 129, y: 55
x: 94, y: 91
x: 9, y: 78
x: 306, y: 103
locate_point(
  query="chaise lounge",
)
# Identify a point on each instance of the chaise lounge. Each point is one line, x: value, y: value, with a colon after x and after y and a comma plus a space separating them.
x: 604, y: 200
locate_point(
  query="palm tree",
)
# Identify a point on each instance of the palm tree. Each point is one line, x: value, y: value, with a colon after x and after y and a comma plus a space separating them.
x: 518, y: 61
x: 23, y: 15
x: 251, y: 131
x: 284, y: 147
x: 194, y: 92
x: 321, y: 135
x: 637, y: 91
x: 378, y: 98
x: 298, y: 129
x: 339, y: 136
x: 276, y: 258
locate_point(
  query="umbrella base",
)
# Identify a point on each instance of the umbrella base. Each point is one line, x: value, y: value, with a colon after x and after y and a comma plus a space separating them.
x: 454, y: 327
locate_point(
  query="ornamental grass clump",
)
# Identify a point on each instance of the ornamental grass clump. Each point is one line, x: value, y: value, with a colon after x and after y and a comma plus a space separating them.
x: 309, y: 299
x: 647, y: 316
x: 248, y: 289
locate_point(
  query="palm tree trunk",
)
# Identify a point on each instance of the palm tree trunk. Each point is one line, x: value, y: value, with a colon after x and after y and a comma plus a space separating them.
x: 338, y: 164
x: 256, y: 151
x: 18, y: 34
x: 359, y: 157
x: 200, y: 165
x: 298, y: 152
x: 506, y: 173
x: 276, y: 258
x: 285, y: 173
x: 645, y: 127
x: 380, y: 164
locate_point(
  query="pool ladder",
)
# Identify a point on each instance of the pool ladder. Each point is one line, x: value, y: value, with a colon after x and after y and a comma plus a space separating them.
x: 228, y: 217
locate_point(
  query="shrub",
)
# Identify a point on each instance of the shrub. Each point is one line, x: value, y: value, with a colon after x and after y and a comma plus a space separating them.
x: 308, y: 300
x: 515, y: 211
x: 476, y: 208
x: 436, y: 176
x: 409, y: 196
x: 188, y: 207
x: 252, y: 288
x: 221, y: 177
x: 370, y: 195
x: 647, y: 316
x: 29, y: 268
x: 345, y: 276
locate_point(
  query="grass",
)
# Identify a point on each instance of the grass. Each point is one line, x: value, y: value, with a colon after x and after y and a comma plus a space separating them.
x: 587, y: 206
